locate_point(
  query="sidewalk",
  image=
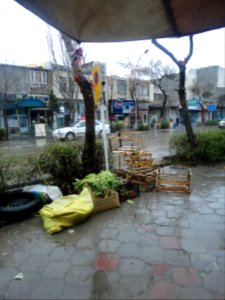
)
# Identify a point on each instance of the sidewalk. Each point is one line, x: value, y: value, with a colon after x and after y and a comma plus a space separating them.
x: 164, y: 246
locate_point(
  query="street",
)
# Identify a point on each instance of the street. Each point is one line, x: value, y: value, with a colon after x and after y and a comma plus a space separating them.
x: 164, y: 245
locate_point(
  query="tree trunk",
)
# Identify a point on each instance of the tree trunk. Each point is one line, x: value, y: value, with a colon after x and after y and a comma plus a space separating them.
x: 183, y: 102
x: 89, y: 150
x: 162, y: 112
x: 5, y: 124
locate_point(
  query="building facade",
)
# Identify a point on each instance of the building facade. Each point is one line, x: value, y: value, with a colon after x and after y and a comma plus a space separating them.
x: 24, y: 95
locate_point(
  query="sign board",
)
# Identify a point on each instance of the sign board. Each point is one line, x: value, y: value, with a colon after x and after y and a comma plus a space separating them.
x: 40, y: 130
x: 96, y: 81
x: 194, y: 104
x: 123, y: 106
x: 212, y: 107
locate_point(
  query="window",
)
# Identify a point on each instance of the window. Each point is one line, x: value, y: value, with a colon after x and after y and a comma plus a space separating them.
x: 122, y: 87
x: 38, y: 78
x: 142, y: 90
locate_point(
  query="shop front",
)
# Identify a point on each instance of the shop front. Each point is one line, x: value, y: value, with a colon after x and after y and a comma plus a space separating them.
x: 30, y: 112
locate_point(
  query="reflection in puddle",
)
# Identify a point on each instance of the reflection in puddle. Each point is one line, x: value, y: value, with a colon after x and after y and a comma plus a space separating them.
x: 100, y: 286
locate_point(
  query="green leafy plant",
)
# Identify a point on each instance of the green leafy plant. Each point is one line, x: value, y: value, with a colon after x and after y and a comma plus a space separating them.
x: 100, y: 183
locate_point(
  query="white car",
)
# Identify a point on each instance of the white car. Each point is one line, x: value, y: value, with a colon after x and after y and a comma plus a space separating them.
x: 221, y: 124
x: 78, y: 129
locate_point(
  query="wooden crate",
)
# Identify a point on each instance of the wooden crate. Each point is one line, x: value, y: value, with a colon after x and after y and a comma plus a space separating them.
x: 171, y: 182
x: 108, y: 202
x: 143, y: 176
x: 140, y: 159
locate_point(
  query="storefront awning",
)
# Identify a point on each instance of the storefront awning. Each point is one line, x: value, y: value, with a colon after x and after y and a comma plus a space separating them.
x: 128, y: 20
x: 31, y: 103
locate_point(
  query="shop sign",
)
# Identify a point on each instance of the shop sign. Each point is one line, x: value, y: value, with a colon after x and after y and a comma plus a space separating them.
x: 117, y: 106
x: 128, y: 106
x: 123, y: 106
x: 212, y: 107
x: 194, y: 105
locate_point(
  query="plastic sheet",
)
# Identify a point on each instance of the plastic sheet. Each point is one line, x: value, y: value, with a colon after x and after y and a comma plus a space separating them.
x: 67, y: 211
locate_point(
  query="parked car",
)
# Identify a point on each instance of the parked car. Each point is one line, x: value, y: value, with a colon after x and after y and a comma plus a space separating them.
x: 221, y: 124
x: 78, y: 129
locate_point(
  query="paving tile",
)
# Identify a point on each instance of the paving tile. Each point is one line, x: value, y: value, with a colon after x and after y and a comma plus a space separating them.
x: 215, y: 282
x: 158, y: 270
x: 107, y: 262
x: 201, y: 260
x: 107, y: 245
x: 56, y: 270
x: 48, y: 289
x: 186, y: 276
x: 177, y: 258
x: 163, y: 290
x: 169, y: 242
x: 132, y: 266
x: 153, y: 254
x: 194, y: 293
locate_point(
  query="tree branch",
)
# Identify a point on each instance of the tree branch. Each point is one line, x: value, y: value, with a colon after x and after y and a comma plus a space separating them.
x: 161, y: 47
x: 190, y: 49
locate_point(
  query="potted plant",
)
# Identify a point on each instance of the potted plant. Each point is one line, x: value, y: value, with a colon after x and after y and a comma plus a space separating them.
x: 104, y: 187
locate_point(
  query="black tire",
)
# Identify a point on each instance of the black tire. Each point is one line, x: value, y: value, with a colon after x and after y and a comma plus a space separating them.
x: 70, y: 136
x: 18, y: 205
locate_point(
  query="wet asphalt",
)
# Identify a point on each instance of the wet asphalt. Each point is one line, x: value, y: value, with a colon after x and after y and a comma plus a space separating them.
x: 165, y: 245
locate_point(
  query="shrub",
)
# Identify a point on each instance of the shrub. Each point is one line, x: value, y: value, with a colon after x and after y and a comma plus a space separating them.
x: 143, y: 127
x: 210, y: 147
x: 117, y: 126
x: 63, y: 162
x: 164, y: 124
x: 212, y: 122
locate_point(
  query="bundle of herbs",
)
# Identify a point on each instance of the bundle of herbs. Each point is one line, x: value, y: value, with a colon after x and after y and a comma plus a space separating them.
x: 100, y: 183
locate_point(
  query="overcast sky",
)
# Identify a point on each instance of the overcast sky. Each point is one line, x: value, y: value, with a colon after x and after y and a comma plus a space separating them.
x: 23, y: 41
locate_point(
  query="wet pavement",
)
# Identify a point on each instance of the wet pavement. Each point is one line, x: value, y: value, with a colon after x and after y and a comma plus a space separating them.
x: 164, y: 246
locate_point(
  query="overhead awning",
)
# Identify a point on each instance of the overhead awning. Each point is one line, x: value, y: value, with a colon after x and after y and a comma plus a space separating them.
x: 31, y: 103
x: 128, y: 20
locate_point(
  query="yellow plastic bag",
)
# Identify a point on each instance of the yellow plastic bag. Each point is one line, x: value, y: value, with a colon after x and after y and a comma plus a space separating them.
x: 67, y: 211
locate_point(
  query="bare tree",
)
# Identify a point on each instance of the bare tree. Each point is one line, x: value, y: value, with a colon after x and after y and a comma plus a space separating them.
x: 181, y: 90
x: 63, y: 75
x: 9, y: 77
x: 134, y: 79
x: 158, y: 73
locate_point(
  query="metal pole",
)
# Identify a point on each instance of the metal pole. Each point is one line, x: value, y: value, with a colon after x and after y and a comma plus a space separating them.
x: 105, y: 142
